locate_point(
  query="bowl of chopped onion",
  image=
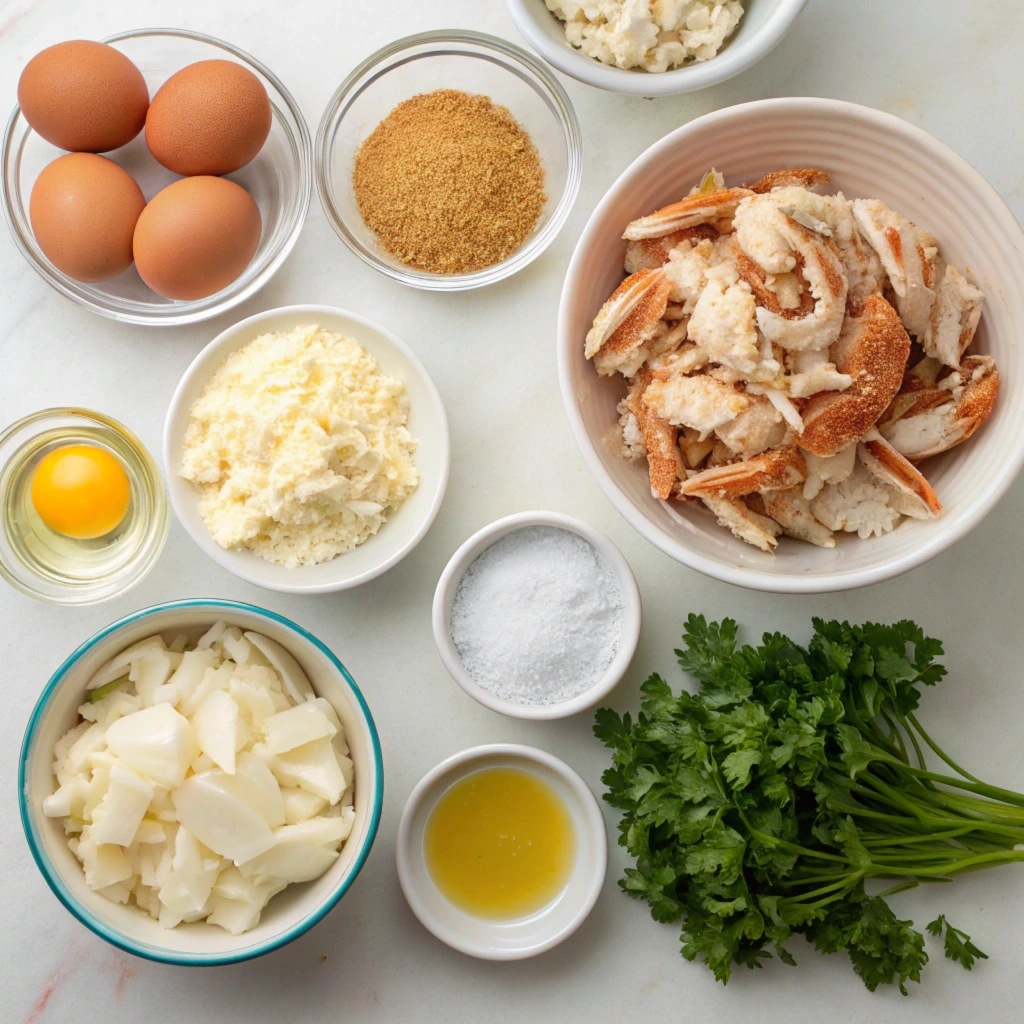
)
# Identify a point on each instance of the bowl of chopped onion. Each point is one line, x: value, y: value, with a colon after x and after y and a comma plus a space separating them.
x: 200, y: 782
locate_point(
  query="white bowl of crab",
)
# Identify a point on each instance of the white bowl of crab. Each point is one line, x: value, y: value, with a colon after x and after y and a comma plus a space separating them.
x: 809, y: 384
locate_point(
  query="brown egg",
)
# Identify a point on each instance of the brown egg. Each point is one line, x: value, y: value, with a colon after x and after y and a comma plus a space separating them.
x: 210, y: 118
x: 83, y: 96
x: 196, y: 236
x: 83, y: 211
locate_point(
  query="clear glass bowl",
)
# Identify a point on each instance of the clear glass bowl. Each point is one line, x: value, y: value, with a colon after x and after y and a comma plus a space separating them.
x: 279, y: 179
x: 474, y: 63
x: 50, y: 567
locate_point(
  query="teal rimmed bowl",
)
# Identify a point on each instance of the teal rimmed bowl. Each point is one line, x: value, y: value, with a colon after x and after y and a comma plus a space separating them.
x: 290, y: 913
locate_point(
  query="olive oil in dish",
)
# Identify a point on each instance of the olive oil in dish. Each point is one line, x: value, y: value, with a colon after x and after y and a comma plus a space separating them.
x: 500, y: 843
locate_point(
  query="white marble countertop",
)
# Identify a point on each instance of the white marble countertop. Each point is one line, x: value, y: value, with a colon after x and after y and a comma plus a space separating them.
x: 959, y: 75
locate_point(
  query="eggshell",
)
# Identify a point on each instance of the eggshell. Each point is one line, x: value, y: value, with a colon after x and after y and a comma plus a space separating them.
x: 83, y: 210
x: 196, y: 236
x: 211, y: 117
x: 83, y: 96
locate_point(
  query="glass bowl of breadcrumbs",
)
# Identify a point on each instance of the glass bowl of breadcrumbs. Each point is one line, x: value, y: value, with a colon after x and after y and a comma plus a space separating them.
x: 448, y: 160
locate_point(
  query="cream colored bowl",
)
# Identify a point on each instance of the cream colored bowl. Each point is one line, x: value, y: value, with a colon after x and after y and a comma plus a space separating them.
x: 762, y: 28
x: 868, y: 153
x: 404, y: 528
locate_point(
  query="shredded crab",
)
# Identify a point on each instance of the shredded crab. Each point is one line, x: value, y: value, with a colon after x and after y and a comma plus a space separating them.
x: 766, y: 332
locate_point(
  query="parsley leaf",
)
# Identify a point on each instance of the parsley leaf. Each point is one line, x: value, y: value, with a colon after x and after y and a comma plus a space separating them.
x: 760, y: 806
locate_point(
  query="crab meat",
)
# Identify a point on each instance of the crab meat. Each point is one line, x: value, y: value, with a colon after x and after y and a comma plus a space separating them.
x: 792, y: 511
x: 829, y: 469
x: 804, y: 177
x: 677, y: 362
x: 872, y: 349
x: 812, y: 371
x: 693, y: 447
x: 778, y: 469
x: 859, y: 504
x: 651, y: 253
x: 935, y: 418
x: 702, y: 403
x: 627, y: 323
x: 833, y: 217
x: 757, y: 428
x: 742, y: 522
x: 881, y: 460
x: 777, y: 243
x: 664, y: 460
x: 723, y: 324
x: 701, y: 208
x: 954, y: 318
x: 904, y: 252
x: 687, y: 269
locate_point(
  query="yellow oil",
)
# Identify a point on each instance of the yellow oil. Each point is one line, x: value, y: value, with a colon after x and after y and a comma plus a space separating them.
x: 500, y: 843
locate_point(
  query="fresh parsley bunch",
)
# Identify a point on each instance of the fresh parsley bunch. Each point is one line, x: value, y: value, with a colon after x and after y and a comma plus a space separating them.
x: 762, y: 805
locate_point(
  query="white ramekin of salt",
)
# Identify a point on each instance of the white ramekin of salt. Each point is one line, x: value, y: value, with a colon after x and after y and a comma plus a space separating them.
x: 537, y: 615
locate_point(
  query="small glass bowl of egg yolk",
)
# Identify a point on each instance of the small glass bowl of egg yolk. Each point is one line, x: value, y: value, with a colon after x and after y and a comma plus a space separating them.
x: 84, y: 513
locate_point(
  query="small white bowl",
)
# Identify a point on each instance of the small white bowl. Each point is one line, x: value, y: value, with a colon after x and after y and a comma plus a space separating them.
x: 519, y: 938
x: 403, y: 530
x: 448, y: 585
x: 290, y: 913
x: 760, y: 30
x: 869, y: 154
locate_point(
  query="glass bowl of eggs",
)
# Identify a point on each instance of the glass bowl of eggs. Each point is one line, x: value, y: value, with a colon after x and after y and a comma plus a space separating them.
x: 160, y: 177
x: 84, y: 512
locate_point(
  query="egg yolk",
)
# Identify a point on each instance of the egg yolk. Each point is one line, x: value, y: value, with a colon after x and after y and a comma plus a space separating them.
x: 81, y: 491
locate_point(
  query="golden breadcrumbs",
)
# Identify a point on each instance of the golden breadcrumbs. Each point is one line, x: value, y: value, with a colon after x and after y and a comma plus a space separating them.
x: 449, y: 182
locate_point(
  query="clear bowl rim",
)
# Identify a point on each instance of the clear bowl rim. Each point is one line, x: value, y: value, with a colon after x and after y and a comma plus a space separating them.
x: 190, y: 311
x: 156, y: 532
x: 53, y: 877
x: 537, y: 75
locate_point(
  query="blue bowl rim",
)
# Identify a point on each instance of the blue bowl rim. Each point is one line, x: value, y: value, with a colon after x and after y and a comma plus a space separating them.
x: 93, y: 923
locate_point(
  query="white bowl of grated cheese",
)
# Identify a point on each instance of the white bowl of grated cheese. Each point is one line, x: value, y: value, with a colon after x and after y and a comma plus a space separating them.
x: 304, y: 557
x: 611, y: 40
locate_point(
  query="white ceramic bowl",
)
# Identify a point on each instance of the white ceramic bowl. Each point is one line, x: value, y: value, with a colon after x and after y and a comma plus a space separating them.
x: 763, y: 25
x: 448, y: 585
x: 290, y: 913
x: 519, y: 938
x: 427, y: 422
x: 869, y: 154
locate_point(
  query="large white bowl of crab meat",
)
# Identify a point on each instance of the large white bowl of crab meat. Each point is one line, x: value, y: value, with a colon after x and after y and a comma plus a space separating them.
x: 801, y: 373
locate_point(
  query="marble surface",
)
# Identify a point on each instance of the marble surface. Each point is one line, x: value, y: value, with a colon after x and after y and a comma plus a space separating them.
x: 957, y: 75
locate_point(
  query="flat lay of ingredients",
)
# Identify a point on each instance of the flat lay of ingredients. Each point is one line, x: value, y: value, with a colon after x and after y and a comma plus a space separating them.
x: 787, y: 321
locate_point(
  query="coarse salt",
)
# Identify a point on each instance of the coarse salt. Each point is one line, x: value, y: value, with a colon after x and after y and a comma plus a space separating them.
x: 537, y: 617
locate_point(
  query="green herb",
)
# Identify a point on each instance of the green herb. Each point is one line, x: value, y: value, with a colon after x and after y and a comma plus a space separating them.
x: 761, y: 806
x: 958, y: 944
x: 101, y: 691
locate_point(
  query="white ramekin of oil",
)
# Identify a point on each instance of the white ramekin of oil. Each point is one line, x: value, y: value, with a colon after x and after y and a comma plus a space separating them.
x: 84, y: 512
x: 502, y: 851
